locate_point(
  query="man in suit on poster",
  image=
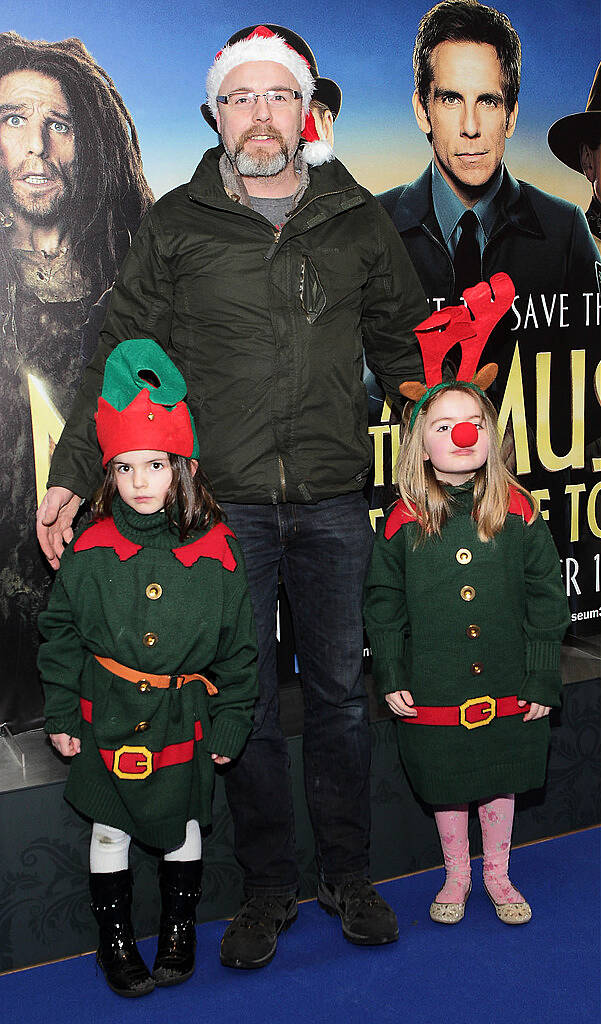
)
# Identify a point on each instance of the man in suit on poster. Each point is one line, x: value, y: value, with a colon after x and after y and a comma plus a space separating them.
x: 466, y: 217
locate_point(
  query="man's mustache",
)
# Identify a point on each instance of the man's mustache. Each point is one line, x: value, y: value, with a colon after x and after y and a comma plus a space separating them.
x: 253, y: 133
x: 42, y: 169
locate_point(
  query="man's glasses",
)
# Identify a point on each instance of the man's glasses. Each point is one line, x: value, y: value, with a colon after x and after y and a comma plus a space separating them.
x: 274, y: 97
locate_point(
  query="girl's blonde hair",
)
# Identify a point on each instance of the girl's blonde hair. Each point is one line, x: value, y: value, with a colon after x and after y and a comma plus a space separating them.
x: 418, y: 486
x: 189, y: 505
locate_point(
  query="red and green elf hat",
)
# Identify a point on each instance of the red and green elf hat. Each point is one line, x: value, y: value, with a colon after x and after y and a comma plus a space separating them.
x: 142, y: 403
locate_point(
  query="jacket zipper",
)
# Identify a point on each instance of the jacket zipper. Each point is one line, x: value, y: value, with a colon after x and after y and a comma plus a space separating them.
x: 276, y: 234
x: 282, y: 478
x: 268, y: 255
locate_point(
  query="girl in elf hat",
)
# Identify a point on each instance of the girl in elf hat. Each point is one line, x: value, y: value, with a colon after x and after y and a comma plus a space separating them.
x: 466, y: 610
x: 149, y: 661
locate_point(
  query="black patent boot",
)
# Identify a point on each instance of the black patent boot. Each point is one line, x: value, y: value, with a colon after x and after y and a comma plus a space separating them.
x: 123, y: 967
x: 179, y: 882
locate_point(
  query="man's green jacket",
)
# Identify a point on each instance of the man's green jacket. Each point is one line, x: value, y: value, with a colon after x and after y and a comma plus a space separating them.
x: 268, y: 328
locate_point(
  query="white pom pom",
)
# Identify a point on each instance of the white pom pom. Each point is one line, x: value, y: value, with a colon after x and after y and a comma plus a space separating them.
x: 316, y: 153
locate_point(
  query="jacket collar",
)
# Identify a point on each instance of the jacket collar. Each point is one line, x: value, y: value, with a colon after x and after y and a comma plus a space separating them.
x: 235, y: 188
x: 207, y: 185
x: 414, y: 206
x: 516, y: 208
x: 593, y: 216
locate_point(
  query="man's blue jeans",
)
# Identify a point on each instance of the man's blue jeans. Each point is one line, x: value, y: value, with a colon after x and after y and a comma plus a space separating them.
x: 322, y: 552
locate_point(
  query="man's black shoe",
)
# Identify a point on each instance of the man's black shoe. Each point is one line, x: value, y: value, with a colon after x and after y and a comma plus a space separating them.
x: 366, y: 918
x: 251, y: 939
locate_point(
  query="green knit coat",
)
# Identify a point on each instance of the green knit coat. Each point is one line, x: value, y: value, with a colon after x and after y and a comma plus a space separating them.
x: 427, y: 633
x: 129, y: 590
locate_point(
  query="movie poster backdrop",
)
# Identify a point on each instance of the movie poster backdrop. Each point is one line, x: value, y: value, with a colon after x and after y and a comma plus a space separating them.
x: 129, y: 126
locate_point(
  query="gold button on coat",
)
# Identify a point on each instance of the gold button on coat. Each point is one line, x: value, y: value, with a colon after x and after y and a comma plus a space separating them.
x: 150, y: 639
x: 154, y: 591
x: 142, y: 727
x: 473, y: 632
x: 477, y: 669
x: 468, y: 593
x: 463, y: 556
x: 144, y: 686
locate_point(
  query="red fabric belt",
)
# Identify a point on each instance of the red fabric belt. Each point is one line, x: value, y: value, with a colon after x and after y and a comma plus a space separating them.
x: 138, y: 762
x: 471, y: 714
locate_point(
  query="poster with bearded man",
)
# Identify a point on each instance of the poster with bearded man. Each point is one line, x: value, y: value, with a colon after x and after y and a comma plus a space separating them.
x: 72, y: 194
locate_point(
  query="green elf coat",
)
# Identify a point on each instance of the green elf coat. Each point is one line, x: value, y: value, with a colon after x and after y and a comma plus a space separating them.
x: 455, y: 620
x: 129, y: 590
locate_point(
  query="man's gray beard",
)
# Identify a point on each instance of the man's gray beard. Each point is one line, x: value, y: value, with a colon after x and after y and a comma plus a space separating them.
x: 259, y: 166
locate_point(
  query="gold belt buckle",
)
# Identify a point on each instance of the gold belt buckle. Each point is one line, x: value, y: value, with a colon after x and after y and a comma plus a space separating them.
x: 487, y: 703
x: 132, y: 762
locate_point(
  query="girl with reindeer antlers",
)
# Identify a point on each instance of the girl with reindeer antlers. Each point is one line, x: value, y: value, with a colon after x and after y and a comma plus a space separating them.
x: 466, y: 610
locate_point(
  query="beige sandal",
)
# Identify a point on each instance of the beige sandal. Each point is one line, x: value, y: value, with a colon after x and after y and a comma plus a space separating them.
x: 449, y: 913
x: 511, y: 913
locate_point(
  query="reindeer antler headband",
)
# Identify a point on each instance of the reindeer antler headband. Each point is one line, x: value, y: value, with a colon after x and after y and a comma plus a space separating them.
x: 467, y: 325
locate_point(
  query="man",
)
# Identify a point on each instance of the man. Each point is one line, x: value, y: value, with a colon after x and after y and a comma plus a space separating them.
x: 72, y: 189
x: 72, y: 192
x: 466, y: 218
x: 264, y: 278
x: 576, y: 141
x: 324, y: 108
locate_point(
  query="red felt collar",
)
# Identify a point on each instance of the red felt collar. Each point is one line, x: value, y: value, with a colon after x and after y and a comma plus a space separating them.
x: 212, y: 545
x: 402, y: 514
x: 104, y: 534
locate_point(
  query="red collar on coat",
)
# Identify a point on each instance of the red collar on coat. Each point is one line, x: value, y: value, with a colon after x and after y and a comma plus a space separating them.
x: 402, y: 514
x: 104, y: 534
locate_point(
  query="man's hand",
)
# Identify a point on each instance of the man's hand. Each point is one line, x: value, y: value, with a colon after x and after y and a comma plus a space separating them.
x: 53, y: 522
x: 401, y: 702
x: 66, y: 745
x: 536, y: 711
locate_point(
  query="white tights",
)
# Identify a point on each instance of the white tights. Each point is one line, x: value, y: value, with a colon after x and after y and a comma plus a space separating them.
x: 109, y: 848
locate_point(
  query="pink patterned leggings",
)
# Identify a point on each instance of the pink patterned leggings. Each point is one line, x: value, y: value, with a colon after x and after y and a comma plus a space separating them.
x: 496, y: 821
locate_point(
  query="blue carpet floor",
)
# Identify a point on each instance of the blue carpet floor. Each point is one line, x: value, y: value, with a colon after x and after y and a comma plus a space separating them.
x: 478, y: 972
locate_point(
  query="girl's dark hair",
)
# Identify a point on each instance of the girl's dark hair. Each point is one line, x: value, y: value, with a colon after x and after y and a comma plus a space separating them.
x: 189, y: 505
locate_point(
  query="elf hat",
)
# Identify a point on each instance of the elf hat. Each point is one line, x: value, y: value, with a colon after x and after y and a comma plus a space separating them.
x: 281, y: 45
x: 469, y: 326
x: 142, y: 403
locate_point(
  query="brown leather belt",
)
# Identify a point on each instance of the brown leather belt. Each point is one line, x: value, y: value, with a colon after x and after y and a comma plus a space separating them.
x: 471, y: 714
x: 160, y: 682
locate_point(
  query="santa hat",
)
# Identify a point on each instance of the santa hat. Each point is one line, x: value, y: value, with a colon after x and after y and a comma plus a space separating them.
x: 282, y: 46
x: 142, y: 403
x: 469, y: 326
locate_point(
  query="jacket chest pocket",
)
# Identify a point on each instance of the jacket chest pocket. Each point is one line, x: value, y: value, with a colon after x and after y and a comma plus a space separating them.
x: 331, y: 279
x: 311, y: 292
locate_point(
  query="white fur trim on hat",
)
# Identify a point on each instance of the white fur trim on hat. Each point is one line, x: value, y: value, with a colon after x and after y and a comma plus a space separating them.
x: 272, y: 48
x: 317, y: 153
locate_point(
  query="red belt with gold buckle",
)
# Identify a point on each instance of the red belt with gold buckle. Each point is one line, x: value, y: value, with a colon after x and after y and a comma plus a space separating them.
x: 471, y: 714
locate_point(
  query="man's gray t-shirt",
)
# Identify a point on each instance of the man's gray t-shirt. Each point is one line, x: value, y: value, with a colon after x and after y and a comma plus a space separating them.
x: 274, y: 210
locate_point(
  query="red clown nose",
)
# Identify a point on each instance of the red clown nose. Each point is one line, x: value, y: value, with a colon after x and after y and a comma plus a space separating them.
x: 464, y: 435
